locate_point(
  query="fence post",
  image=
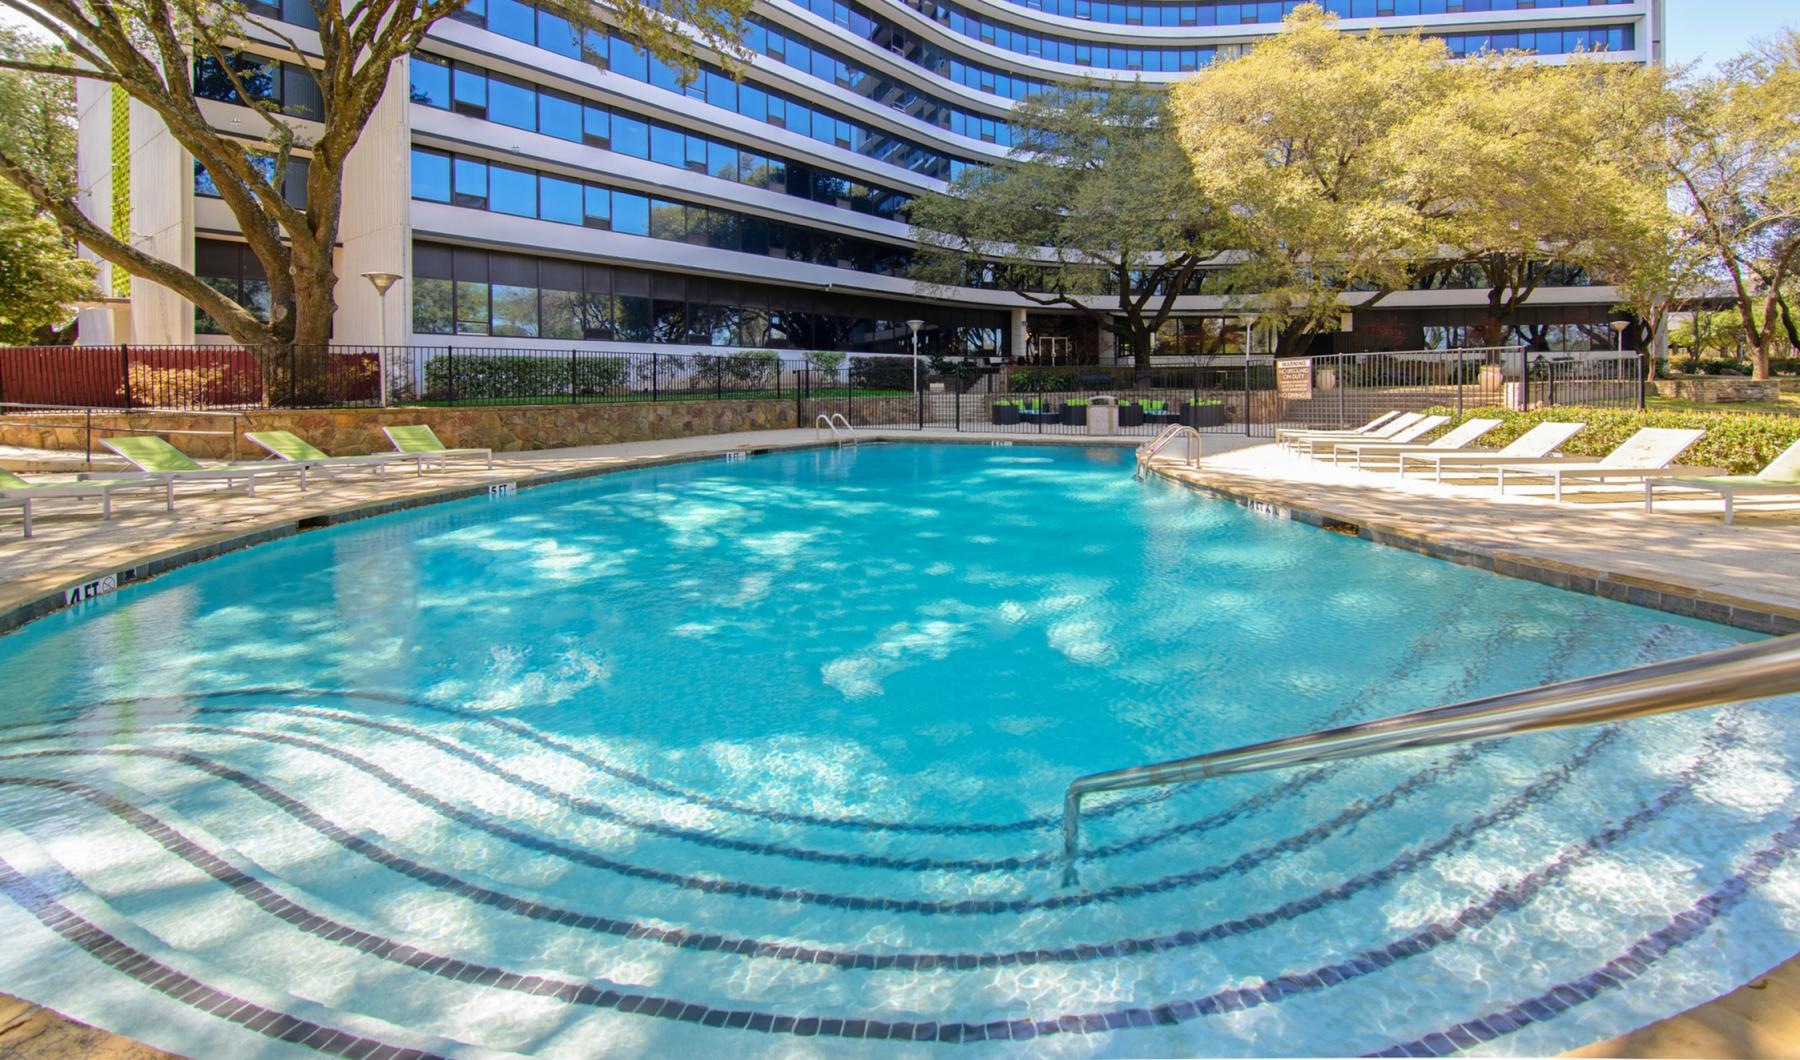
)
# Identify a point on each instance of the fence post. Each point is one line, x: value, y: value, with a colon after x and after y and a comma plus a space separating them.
x: 293, y: 375
x: 125, y: 373
x: 1643, y: 379
x: 919, y: 400
x: 802, y: 384
x: 450, y: 353
x: 1459, y: 386
x: 572, y: 387
x: 1524, y: 380
x: 957, y: 405
x: 1246, y: 393
x: 655, y: 374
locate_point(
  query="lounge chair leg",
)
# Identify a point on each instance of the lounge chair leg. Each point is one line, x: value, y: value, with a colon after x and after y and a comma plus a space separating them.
x: 1502, y: 480
x: 169, y: 492
x: 27, y: 510
x: 1727, y: 496
x: 1648, y: 490
x: 105, y: 507
x: 1559, y: 487
x: 303, y: 470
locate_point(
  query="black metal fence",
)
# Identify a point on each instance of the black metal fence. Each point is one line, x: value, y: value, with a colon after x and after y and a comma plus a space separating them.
x: 1248, y: 395
x: 1251, y: 396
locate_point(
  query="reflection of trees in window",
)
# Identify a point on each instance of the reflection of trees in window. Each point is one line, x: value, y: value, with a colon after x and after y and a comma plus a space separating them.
x: 431, y: 307
x: 669, y: 321
x: 631, y: 318
x: 515, y: 311
x: 668, y: 220
x: 259, y: 77
x: 471, y: 308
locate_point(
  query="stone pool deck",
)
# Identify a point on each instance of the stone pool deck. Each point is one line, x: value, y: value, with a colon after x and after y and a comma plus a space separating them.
x: 1681, y: 559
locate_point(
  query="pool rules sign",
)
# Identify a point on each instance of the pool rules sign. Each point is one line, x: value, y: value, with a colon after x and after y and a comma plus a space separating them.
x: 1294, y: 377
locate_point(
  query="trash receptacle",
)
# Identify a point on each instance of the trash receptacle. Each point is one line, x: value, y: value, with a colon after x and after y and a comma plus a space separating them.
x: 1103, y: 415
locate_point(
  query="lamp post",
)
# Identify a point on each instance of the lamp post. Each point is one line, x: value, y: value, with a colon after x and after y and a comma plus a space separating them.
x: 914, y: 326
x: 383, y: 283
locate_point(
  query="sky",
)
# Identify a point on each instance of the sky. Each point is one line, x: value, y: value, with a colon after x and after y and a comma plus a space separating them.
x: 1707, y: 31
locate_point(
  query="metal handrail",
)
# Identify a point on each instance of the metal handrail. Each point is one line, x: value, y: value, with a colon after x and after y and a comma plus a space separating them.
x: 830, y: 423
x: 1747, y: 671
x: 1148, y: 451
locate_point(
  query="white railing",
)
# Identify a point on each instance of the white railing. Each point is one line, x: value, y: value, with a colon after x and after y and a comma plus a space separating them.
x: 1148, y: 451
x: 831, y: 423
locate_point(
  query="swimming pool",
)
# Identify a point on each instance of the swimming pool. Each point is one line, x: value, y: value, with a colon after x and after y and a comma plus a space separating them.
x: 725, y: 755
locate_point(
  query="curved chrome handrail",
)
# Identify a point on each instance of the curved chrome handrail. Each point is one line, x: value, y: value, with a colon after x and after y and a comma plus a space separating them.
x: 1148, y: 451
x: 1748, y: 671
x: 830, y: 423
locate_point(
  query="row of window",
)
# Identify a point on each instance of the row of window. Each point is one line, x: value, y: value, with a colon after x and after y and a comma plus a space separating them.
x: 994, y: 33
x: 477, y: 184
x: 463, y: 291
x: 287, y: 85
x: 1234, y: 13
x: 521, y: 22
x: 509, y: 101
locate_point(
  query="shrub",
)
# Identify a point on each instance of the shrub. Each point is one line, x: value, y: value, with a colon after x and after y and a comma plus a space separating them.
x: 1027, y: 379
x: 525, y: 376
x: 826, y: 362
x: 1784, y: 366
x: 748, y: 370
x: 1741, y: 441
x: 881, y: 373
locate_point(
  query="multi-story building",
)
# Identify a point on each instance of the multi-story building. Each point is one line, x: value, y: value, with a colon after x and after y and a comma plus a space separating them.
x: 531, y: 187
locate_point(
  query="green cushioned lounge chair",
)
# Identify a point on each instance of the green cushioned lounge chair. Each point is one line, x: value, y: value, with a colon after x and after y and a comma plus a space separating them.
x: 1782, y: 476
x: 17, y: 491
x: 1645, y: 455
x: 285, y: 445
x: 159, y: 459
x: 418, y: 438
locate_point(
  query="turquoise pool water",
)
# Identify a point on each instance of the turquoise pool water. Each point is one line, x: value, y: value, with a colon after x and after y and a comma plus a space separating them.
x: 730, y: 755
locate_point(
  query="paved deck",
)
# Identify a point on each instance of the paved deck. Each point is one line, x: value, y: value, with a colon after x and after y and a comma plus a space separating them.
x: 1681, y: 552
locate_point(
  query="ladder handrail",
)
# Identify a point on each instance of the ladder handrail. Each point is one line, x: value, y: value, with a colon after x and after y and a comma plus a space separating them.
x: 1148, y: 451
x: 1747, y: 671
x: 828, y: 423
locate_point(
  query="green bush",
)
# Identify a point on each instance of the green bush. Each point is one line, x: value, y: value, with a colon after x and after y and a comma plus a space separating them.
x: 490, y: 376
x: 826, y: 362
x: 1743, y: 442
x: 1027, y: 379
x: 747, y: 370
x: 881, y: 373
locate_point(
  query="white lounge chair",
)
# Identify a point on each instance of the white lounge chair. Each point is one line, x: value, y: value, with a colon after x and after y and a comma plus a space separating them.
x: 1781, y: 476
x: 1410, y: 433
x: 1282, y: 435
x: 160, y: 460
x: 1305, y: 440
x: 1646, y: 454
x: 417, y: 440
x: 15, y: 491
x: 1463, y: 436
x: 1536, y: 444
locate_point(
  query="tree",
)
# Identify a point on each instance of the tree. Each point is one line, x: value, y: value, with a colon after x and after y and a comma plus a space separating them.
x: 1737, y: 169
x: 1313, y: 138
x: 1094, y: 201
x: 148, y: 48
x: 40, y: 274
x: 1545, y: 165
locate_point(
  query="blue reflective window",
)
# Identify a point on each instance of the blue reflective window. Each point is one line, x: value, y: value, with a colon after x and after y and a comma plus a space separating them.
x: 630, y: 136
x: 471, y: 183
x: 629, y: 59
x: 511, y: 102
x: 598, y: 207
x: 667, y: 146
x: 430, y: 82
x: 630, y: 213
x: 430, y: 175
x: 596, y: 125
x: 469, y: 91
x: 555, y: 34
x: 560, y: 200
x: 559, y: 116
x: 512, y: 191
x: 510, y: 18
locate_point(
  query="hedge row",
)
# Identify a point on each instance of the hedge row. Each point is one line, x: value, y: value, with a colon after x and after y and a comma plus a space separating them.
x: 1744, y: 442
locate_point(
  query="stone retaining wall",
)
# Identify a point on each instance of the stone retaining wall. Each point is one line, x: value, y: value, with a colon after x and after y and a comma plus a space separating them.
x: 1717, y: 389
x: 349, y: 432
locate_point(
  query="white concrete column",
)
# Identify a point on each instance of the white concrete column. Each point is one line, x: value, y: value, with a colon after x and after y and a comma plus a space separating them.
x: 1109, y: 347
x: 162, y: 223
x: 375, y: 233
x: 1018, y: 334
x: 93, y: 196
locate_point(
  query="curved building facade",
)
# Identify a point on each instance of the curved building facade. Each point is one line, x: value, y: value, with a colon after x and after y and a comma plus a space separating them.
x: 533, y: 185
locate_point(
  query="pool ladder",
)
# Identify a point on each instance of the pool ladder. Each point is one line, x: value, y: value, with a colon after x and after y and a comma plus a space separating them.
x: 1748, y: 671
x: 1148, y: 451
x: 830, y: 423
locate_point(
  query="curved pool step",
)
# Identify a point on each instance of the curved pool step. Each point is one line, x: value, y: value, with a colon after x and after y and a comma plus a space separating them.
x: 138, y: 984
